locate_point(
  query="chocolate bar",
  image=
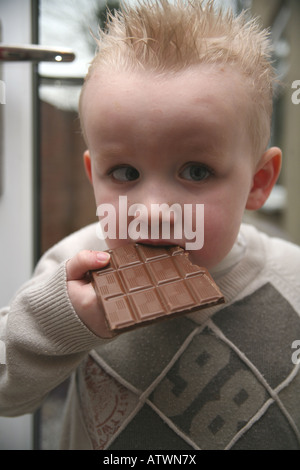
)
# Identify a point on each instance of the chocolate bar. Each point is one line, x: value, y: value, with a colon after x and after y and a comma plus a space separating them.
x: 143, y: 283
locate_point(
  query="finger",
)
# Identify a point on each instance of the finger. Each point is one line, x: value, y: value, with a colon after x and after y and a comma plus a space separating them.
x: 84, y: 261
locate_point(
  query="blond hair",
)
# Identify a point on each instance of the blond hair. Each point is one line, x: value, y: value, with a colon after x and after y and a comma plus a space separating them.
x: 164, y: 37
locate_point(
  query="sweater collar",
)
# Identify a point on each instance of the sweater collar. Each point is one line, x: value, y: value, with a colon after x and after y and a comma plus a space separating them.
x: 235, y: 255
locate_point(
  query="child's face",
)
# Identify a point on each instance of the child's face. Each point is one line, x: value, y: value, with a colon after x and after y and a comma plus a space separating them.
x: 182, y: 139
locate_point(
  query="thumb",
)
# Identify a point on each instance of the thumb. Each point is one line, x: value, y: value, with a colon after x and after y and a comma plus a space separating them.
x: 84, y: 261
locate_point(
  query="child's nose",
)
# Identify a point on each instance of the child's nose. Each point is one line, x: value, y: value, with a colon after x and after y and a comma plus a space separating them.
x: 157, y: 218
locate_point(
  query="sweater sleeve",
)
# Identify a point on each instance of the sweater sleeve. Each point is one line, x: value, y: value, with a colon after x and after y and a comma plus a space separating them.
x: 44, y: 339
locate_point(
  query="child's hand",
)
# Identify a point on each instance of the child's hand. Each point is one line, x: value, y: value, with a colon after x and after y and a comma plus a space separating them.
x: 81, y: 291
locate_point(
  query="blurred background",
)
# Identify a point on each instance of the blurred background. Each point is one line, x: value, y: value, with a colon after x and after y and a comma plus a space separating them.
x: 44, y: 193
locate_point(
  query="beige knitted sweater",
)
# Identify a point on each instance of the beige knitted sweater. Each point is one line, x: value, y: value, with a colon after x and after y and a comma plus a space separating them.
x: 223, y: 378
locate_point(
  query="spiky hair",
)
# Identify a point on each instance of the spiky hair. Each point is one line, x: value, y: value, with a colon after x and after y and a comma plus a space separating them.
x: 163, y: 37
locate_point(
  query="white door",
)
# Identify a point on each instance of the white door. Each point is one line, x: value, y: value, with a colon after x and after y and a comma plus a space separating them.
x: 17, y: 187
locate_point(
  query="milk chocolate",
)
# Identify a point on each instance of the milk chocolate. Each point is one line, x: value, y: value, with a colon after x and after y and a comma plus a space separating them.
x: 143, y: 284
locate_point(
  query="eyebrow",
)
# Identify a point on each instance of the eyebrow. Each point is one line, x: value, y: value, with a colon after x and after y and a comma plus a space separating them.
x: 111, y: 151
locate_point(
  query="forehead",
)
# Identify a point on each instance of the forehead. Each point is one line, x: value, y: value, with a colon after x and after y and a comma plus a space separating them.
x: 210, y: 95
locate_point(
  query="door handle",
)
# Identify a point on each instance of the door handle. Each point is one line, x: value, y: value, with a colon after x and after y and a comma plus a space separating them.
x: 35, y: 53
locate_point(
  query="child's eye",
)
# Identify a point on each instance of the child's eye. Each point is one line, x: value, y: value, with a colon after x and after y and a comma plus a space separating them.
x: 124, y: 173
x: 195, y: 172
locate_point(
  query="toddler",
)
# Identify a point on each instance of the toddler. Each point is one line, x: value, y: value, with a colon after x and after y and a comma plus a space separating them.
x: 175, y: 110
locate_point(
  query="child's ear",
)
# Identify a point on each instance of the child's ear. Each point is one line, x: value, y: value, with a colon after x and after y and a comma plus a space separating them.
x: 88, y: 165
x: 265, y: 177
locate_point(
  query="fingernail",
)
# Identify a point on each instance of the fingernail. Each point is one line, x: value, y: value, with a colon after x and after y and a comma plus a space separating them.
x: 102, y: 256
